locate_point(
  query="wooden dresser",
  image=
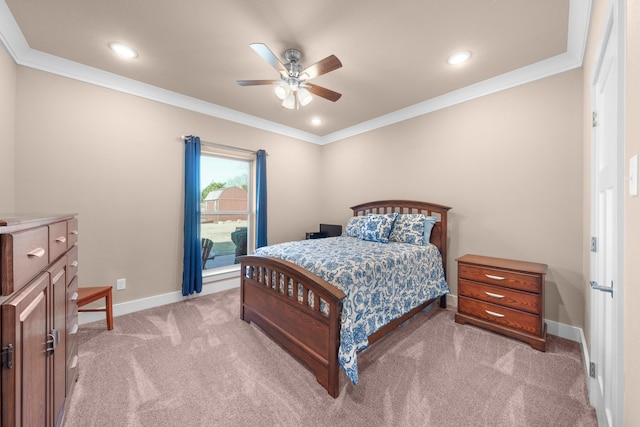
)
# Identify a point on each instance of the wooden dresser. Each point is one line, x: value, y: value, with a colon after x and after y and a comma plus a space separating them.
x: 503, y: 295
x: 38, y: 317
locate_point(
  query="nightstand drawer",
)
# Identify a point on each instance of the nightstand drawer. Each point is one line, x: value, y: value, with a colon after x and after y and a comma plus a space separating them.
x: 526, y: 322
x: 502, y: 278
x: 500, y: 296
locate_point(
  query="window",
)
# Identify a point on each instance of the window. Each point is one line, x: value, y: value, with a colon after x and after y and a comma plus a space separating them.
x: 227, y: 189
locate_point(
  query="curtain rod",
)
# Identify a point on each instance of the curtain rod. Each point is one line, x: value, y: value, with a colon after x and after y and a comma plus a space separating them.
x: 229, y: 147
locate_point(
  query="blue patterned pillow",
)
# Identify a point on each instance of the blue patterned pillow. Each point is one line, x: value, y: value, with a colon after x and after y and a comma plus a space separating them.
x: 409, y: 228
x: 354, y: 226
x: 430, y: 221
x: 377, y: 227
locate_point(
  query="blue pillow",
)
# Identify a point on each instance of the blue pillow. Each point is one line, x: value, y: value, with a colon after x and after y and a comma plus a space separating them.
x: 354, y: 226
x: 409, y: 228
x: 429, y: 222
x: 377, y: 227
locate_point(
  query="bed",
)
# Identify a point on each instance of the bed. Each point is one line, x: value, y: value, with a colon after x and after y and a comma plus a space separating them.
x: 301, y: 310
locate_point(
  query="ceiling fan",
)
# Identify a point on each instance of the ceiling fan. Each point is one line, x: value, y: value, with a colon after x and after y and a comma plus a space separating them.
x: 293, y: 87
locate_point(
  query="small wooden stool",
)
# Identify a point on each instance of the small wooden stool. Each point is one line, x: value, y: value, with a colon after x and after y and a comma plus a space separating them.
x: 89, y: 295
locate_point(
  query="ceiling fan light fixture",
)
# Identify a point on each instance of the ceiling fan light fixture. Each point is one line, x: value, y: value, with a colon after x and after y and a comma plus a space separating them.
x: 282, y: 90
x: 304, y: 96
x: 289, y: 102
x: 459, y: 57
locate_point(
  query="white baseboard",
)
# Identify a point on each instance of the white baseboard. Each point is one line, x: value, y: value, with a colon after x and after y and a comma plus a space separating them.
x: 561, y: 330
x: 214, y: 286
x: 230, y: 281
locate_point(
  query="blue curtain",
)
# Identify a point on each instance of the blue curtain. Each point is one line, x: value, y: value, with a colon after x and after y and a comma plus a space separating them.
x: 261, y: 199
x: 192, y: 266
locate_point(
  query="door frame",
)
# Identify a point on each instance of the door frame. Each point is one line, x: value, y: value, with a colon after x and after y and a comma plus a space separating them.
x: 616, y: 14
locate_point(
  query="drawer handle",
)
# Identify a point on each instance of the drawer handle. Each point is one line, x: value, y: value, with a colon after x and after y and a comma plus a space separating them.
x: 61, y: 239
x: 74, y: 362
x: 490, y: 276
x: 74, y: 330
x: 74, y: 232
x: 494, y: 314
x: 37, y: 252
x: 491, y: 294
x: 74, y: 296
x: 74, y: 264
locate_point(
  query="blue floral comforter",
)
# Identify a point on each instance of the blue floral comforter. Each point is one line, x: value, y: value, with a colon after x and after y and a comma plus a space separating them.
x: 382, y: 281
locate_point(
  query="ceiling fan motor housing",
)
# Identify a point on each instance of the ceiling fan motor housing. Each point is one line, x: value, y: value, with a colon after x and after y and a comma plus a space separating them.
x: 293, y: 67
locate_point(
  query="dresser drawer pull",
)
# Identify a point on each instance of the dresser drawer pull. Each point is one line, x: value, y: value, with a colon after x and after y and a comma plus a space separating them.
x: 74, y: 362
x: 74, y: 330
x: 490, y: 276
x: 491, y: 294
x: 74, y: 232
x: 74, y: 296
x: 494, y: 314
x: 74, y: 264
x: 61, y: 239
x: 37, y: 252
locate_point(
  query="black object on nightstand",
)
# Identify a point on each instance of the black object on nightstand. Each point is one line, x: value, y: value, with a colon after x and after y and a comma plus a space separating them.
x: 326, y: 230
x: 316, y: 235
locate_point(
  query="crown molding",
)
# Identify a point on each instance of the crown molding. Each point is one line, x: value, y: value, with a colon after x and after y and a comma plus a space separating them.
x: 18, y: 48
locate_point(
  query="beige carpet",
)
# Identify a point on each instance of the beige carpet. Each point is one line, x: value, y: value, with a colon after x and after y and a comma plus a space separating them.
x: 195, y: 363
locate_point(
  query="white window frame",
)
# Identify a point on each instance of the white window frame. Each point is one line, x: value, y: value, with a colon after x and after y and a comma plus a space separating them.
x: 218, y: 273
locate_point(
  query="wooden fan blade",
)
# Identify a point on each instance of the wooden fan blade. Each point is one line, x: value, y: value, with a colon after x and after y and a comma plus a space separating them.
x: 329, y: 63
x: 254, y: 82
x: 324, y: 92
x: 266, y: 54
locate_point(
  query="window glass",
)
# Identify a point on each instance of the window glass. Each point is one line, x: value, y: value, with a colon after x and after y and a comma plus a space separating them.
x: 226, y: 219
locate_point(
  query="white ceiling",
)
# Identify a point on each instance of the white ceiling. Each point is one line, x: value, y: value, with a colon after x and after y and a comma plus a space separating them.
x: 394, y: 53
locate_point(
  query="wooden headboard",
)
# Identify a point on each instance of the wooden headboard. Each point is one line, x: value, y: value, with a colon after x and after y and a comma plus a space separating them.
x: 439, y: 231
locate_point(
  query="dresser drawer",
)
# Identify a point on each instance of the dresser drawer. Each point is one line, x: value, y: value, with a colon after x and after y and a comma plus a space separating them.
x: 72, y: 264
x: 525, y: 322
x: 499, y: 277
x: 24, y: 255
x: 72, y: 232
x: 500, y: 296
x: 57, y: 240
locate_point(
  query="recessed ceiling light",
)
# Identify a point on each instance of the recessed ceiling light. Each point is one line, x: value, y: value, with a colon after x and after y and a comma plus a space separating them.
x: 459, y: 57
x: 316, y: 121
x: 123, y: 50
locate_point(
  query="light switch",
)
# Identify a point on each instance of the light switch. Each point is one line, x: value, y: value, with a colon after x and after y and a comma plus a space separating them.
x: 633, y: 176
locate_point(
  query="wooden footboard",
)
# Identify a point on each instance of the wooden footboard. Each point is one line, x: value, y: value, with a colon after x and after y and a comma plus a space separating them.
x: 284, y: 300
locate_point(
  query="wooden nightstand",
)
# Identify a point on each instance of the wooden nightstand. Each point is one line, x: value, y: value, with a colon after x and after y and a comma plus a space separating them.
x: 503, y: 295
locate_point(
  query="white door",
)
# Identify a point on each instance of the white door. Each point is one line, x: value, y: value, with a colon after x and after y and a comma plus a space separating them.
x: 606, y: 384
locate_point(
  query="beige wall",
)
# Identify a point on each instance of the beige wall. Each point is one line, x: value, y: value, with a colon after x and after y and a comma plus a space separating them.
x: 7, y: 130
x: 509, y: 165
x: 111, y: 157
x: 632, y: 222
x: 509, y: 178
